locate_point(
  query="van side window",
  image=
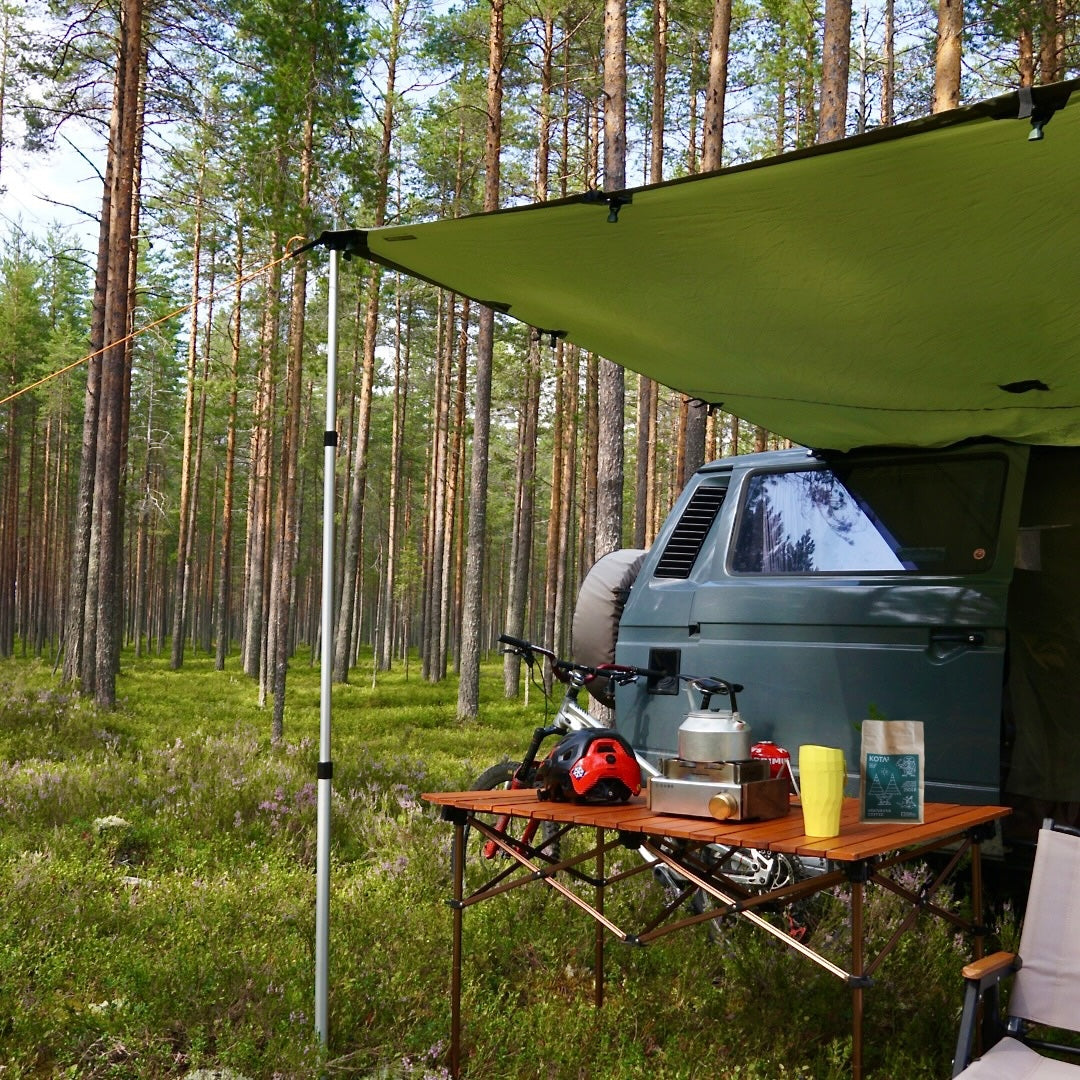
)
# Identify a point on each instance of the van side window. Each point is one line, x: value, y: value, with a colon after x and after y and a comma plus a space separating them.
x: 929, y: 516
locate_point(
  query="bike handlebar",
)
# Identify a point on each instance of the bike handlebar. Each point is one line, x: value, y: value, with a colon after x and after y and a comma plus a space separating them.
x: 563, y: 668
x: 526, y: 649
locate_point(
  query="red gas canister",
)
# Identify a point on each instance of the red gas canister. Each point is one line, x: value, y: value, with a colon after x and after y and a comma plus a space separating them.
x: 777, y: 756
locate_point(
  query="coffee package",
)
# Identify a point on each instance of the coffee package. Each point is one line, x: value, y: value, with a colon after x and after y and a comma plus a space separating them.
x: 891, y: 771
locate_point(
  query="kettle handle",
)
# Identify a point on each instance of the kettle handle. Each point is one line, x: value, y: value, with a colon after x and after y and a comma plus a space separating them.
x: 710, y: 686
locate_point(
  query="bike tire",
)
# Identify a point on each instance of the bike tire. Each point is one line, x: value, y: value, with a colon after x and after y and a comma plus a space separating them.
x: 499, y: 776
x: 495, y: 776
x: 764, y: 871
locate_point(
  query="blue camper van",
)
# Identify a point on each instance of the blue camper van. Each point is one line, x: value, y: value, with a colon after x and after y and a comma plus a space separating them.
x: 932, y: 585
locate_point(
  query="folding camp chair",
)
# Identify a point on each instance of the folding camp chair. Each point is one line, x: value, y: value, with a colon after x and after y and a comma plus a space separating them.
x: 1046, y: 990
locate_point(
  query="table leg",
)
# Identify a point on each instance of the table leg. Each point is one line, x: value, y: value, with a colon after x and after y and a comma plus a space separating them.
x: 977, y: 894
x: 598, y: 928
x: 455, y: 973
x: 856, y: 971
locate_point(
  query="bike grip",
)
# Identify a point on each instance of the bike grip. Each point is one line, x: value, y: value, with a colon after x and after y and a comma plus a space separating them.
x: 516, y: 643
x: 622, y: 674
x: 639, y: 672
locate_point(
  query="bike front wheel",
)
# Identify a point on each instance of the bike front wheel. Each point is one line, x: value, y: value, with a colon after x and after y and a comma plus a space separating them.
x: 501, y: 776
x: 757, y: 872
x: 495, y: 777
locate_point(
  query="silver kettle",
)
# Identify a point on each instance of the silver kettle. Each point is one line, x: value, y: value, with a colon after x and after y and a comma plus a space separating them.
x: 709, y: 734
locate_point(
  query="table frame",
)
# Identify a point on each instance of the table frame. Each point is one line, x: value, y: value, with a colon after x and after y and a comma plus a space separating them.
x: 858, y: 857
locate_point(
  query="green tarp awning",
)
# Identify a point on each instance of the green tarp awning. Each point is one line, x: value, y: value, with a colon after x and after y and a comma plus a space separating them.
x: 914, y: 286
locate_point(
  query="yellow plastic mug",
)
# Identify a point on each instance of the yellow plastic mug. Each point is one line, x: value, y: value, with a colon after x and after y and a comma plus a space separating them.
x: 822, y: 774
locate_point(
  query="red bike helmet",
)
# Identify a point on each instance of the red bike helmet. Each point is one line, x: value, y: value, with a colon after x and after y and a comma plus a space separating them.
x: 590, y: 766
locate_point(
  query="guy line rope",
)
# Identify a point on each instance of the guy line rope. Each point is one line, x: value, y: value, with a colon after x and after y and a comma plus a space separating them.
x: 230, y: 287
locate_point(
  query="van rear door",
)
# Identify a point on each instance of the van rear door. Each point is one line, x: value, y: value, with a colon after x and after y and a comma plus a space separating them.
x: 840, y: 588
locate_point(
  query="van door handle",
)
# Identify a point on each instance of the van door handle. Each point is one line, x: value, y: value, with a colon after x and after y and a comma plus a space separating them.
x: 972, y: 638
x: 946, y: 645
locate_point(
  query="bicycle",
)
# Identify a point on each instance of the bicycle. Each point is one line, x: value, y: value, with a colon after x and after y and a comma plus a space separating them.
x: 753, y: 870
x: 570, y: 716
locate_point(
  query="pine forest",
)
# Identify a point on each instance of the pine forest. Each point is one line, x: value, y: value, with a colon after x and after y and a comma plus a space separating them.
x: 162, y: 393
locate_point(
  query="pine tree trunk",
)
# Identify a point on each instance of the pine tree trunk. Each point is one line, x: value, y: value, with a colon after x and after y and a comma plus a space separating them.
x: 564, y: 577
x: 222, y: 620
x: 197, y: 591
x: 947, y: 60
x: 652, y: 497
x: 611, y: 379
x: 472, y: 598
x: 659, y: 91
x: 28, y: 571
x: 55, y: 545
x: 348, y: 615
x: 183, y: 543
x: 7, y: 33
x: 78, y: 665
x: 543, y: 150
x: 693, y: 413
x: 446, y: 601
x: 1052, y: 44
x: 1025, y: 45
x: 437, y: 485
x: 9, y: 532
x: 132, y: 302
x: 712, y: 135
x: 395, y: 514
x: 558, y: 502
x: 282, y: 583
x: 647, y: 388
x: 888, y: 74
x: 260, y: 455
x: 43, y: 588
x: 862, y: 113
x: 835, y: 62
x: 142, y: 540
x: 590, y: 478
x: 61, y: 533
x: 453, y: 550
x: 111, y: 415
x: 521, y: 559
x: 645, y: 403
x: 611, y: 402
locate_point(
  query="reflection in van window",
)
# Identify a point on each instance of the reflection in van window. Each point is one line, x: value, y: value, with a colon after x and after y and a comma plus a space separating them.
x: 928, y: 516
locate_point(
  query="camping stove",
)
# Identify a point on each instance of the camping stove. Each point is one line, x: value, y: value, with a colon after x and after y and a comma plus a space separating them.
x: 724, y: 790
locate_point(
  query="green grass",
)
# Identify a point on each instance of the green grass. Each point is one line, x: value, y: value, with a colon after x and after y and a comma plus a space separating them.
x: 182, y: 935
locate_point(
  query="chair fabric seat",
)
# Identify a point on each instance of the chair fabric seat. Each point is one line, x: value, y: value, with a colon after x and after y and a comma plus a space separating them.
x: 1048, y: 985
x: 1010, y: 1059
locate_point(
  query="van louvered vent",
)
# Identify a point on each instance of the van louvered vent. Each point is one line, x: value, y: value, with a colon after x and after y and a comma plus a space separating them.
x: 682, y: 549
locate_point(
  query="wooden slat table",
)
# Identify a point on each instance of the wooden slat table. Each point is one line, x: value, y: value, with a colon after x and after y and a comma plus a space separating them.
x: 857, y: 856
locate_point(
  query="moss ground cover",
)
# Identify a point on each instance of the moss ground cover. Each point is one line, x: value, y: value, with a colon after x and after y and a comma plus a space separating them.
x: 157, y: 869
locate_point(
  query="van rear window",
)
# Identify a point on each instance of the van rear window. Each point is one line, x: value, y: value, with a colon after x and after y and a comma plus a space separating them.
x: 929, y: 516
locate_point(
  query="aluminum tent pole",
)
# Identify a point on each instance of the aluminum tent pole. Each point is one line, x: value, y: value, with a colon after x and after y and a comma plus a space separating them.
x: 325, y: 767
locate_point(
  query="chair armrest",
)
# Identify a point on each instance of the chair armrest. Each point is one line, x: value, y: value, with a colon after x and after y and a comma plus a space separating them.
x: 991, y: 969
x: 981, y: 977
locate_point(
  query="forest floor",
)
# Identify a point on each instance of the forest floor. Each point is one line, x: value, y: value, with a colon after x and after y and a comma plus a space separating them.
x: 157, y: 865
